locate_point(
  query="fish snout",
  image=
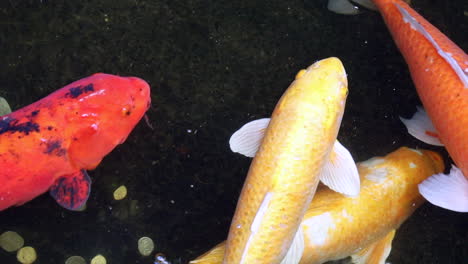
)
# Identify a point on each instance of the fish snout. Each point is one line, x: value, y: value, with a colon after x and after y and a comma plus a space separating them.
x: 141, y: 85
x: 436, y: 159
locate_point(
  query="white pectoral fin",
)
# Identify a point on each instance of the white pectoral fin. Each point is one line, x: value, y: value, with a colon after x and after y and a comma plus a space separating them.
x: 421, y: 127
x: 340, y: 172
x: 447, y: 191
x: 247, y: 139
x: 366, y: 3
x: 296, y: 250
x: 342, y: 7
x: 375, y: 253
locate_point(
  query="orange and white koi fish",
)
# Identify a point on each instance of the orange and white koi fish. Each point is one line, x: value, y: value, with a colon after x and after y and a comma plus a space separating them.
x: 439, y: 69
x: 296, y: 148
x: 50, y: 144
x: 363, y: 227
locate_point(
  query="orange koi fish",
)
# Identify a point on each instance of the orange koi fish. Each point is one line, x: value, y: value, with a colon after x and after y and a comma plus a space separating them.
x: 50, y: 144
x: 363, y: 227
x: 296, y: 148
x: 439, y: 69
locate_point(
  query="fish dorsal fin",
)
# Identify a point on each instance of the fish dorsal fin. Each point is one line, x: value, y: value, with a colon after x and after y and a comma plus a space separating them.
x: 340, y: 172
x: 420, y: 126
x: 71, y: 191
x: 375, y: 253
x: 248, y: 138
x: 214, y: 256
x: 296, y: 250
x: 447, y: 191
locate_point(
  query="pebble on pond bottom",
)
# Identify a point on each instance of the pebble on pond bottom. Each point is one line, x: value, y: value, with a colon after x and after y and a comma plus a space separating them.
x: 145, y: 246
x: 99, y: 259
x: 120, y: 193
x: 11, y: 241
x: 75, y: 260
x: 26, y: 255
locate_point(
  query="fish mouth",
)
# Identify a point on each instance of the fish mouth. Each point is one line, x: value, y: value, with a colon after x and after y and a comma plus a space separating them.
x: 437, y: 159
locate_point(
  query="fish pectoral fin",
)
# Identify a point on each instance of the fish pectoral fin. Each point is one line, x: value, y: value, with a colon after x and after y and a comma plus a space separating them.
x: 447, y: 191
x: 71, y: 191
x: 294, y: 254
x: 366, y: 3
x: 340, y: 172
x: 420, y: 126
x: 214, y: 256
x: 375, y: 253
x: 248, y: 138
x: 342, y: 7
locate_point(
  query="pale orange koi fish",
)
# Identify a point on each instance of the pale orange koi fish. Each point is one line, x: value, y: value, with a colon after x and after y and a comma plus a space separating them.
x: 363, y: 227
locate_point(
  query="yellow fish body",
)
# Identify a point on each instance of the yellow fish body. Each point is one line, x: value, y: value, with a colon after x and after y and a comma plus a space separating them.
x: 336, y: 226
x: 285, y: 172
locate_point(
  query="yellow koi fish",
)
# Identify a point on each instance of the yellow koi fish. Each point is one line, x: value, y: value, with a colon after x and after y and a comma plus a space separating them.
x: 295, y: 149
x: 363, y: 227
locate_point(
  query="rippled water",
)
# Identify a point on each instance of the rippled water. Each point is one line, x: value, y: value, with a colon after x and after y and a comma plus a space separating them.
x: 212, y: 66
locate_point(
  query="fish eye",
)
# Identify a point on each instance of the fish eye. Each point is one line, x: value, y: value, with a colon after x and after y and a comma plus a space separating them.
x: 126, y: 111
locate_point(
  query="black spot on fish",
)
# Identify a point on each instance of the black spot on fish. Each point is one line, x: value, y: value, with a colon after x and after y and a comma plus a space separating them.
x: 54, y: 147
x: 34, y: 113
x: 50, y: 128
x: 74, y: 92
x: 12, y: 125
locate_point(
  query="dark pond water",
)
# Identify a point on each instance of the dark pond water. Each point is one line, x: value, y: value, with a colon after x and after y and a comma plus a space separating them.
x: 212, y: 66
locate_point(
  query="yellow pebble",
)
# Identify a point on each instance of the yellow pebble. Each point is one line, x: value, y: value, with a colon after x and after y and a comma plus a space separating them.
x: 11, y: 241
x: 99, y: 259
x: 75, y: 260
x: 26, y: 255
x: 4, y: 107
x: 120, y: 193
x: 145, y: 246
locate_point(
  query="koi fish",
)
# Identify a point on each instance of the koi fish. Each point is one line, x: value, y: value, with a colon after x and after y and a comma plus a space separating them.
x: 50, y: 144
x: 296, y: 148
x: 439, y: 69
x: 363, y: 227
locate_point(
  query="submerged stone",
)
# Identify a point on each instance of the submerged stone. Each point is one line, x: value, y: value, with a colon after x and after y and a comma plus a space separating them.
x: 26, y: 255
x: 99, y: 259
x: 75, y: 260
x: 4, y: 107
x: 120, y: 193
x: 11, y: 241
x: 145, y: 246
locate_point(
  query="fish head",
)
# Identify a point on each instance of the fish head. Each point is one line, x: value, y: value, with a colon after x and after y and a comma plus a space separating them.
x: 104, y: 115
x: 436, y: 159
x: 326, y: 71
x: 323, y: 83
